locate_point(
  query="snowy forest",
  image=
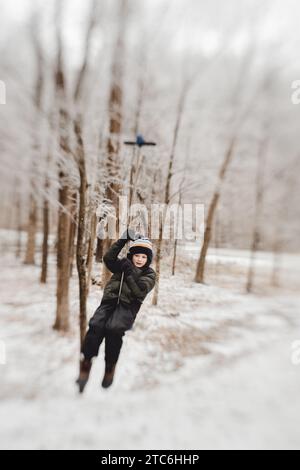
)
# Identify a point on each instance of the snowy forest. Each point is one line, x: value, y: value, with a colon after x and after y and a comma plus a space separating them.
x: 187, y: 113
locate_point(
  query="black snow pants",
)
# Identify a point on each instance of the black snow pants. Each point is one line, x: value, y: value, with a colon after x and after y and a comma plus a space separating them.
x: 110, y: 321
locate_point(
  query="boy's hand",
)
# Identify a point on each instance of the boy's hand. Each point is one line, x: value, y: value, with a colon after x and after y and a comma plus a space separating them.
x: 126, y: 266
x: 130, y: 235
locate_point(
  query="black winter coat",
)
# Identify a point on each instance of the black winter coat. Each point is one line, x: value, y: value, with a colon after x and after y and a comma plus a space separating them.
x: 136, y: 285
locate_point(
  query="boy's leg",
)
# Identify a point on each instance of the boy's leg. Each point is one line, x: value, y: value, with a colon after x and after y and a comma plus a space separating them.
x: 113, y: 345
x: 123, y: 321
x: 96, y: 332
x: 92, y: 341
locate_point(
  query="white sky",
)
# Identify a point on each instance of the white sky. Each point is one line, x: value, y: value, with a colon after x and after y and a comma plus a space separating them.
x: 187, y: 19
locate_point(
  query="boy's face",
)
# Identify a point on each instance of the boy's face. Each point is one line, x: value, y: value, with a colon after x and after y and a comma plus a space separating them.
x: 139, y: 260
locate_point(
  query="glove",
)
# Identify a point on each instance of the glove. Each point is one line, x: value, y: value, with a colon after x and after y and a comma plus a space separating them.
x: 126, y: 266
x: 130, y: 235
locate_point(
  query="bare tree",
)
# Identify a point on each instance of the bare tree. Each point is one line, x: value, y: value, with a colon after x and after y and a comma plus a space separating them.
x: 63, y: 230
x: 212, y: 210
x: 18, y: 204
x: 181, y: 191
x: 261, y: 161
x: 113, y: 189
x: 179, y: 117
x: 240, y: 118
x: 91, y: 245
x: 46, y: 223
x: 33, y: 215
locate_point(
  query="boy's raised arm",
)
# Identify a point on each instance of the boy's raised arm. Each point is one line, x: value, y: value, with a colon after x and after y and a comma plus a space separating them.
x: 111, y: 259
x: 111, y: 256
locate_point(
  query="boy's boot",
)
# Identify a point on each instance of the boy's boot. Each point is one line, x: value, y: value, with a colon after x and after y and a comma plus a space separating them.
x: 84, y: 374
x: 108, y: 375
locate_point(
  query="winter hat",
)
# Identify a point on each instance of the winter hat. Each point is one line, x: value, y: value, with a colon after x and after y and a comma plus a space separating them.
x: 142, y: 246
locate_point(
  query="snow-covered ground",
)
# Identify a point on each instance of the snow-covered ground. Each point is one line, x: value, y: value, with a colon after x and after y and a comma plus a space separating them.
x: 209, y: 368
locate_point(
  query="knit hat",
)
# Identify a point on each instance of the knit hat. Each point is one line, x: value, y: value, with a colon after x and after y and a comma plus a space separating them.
x: 142, y: 246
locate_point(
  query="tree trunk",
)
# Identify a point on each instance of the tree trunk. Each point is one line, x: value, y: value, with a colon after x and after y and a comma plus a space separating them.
x: 91, y: 250
x: 174, y: 257
x: 73, y: 230
x: 275, y: 279
x: 63, y: 226
x: 113, y: 189
x: 38, y: 92
x: 46, y: 222
x: 63, y: 263
x: 200, y: 271
x: 81, y: 252
x: 81, y: 255
x: 99, y: 251
x: 176, y: 239
x: 258, y: 213
x: 207, y: 238
x: 217, y: 241
x: 19, y: 226
x: 106, y: 274
x: 31, y: 232
x: 179, y: 117
x: 158, y: 263
x: 45, y: 248
x: 251, y: 271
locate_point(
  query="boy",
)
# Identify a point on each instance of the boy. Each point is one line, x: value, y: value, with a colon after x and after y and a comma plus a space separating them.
x: 131, y: 282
